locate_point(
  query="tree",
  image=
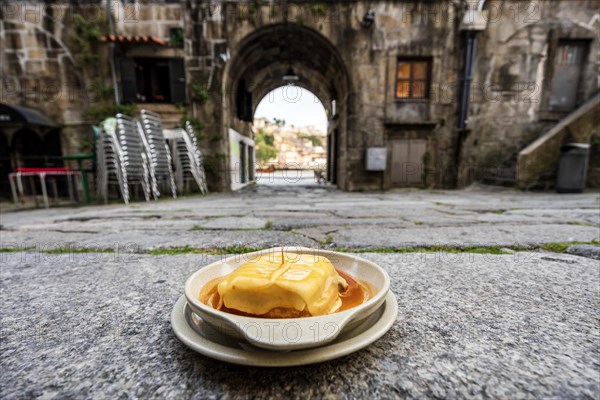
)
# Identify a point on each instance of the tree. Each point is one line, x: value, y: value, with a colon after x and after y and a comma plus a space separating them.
x: 265, y: 150
x: 314, y: 139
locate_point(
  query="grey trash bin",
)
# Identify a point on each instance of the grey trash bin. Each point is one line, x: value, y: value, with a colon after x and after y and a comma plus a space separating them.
x: 572, y: 168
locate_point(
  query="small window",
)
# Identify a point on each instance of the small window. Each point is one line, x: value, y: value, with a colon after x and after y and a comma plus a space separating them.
x: 153, y: 80
x: 412, y: 78
x: 176, y: 37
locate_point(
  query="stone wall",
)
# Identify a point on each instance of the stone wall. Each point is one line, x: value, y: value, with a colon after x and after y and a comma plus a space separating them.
x: 44, y: 68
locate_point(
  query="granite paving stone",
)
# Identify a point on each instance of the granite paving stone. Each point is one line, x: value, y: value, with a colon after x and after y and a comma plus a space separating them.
x: 469, y: 325
x: 519, y: 325
x: 585, y: 250
x: 489, y: 235
x: 234, y: 223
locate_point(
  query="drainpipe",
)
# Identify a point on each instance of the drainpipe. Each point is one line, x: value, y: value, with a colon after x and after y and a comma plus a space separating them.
x: 468, y: 77
x: 468, y: 73
x: 111, y: 49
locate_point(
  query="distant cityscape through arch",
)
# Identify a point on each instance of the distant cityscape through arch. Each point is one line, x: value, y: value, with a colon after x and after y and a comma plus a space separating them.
x: 290, y: 128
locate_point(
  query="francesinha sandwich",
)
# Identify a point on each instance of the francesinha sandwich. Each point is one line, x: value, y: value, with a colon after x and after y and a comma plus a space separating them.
x: 275, y: 287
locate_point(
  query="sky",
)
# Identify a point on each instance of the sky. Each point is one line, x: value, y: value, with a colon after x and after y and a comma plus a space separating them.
x: 296, y: 105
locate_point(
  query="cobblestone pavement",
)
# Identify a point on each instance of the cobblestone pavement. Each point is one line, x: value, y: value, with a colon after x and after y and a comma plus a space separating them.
x: 491, y: 304
x: 313, y: 215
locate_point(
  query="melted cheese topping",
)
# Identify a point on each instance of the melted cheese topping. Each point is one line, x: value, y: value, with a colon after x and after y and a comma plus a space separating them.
x: 304, y: 282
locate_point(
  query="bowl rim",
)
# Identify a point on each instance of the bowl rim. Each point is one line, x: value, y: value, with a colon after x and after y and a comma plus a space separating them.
x: 346, y: 314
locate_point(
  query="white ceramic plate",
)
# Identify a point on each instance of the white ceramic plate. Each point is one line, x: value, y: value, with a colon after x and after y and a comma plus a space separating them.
x: 206, y: 340
x: 287, y: 334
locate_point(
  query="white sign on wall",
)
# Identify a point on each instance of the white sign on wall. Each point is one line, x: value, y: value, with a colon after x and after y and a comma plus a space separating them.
x: 376, y: 158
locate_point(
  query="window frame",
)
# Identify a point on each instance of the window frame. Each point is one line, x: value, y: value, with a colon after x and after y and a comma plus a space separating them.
x: 411, y: 60
x: 131, y: 84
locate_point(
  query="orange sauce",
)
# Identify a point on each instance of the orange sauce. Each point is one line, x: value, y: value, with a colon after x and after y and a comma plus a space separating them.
x: 355, y: 294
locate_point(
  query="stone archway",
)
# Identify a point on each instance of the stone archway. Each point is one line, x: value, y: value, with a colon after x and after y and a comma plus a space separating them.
x: 261, y: 59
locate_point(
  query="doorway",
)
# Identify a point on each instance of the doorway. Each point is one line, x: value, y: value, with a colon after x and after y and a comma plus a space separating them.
x: 570, y: 57
x: 407, y: 162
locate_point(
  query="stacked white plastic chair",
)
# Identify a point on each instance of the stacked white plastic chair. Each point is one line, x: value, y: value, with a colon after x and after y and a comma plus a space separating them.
x: 159, y: 156
x: 181, y: 161
x: 108, y: 161
x: 194, y: 149
x: 187, y: 158
x: 195, y: 157
x: 134, y: 162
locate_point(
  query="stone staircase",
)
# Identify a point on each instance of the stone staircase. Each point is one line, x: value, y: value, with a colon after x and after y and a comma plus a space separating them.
x: 536, y: 164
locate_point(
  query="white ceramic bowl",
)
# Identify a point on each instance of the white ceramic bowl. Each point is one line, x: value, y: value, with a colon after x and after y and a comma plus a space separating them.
x: 286, y: 334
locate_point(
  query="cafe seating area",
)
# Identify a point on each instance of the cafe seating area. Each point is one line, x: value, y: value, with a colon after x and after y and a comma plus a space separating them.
x: 131, y: 159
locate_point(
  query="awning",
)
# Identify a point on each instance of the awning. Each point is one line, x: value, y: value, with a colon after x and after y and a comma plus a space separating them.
x: 11, y: 115
x: 139, y: 39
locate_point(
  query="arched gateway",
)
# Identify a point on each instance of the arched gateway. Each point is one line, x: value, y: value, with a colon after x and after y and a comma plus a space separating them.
x: 258, y: 64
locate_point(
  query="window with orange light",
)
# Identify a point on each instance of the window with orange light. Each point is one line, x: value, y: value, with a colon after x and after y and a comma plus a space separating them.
x: 412, y: 78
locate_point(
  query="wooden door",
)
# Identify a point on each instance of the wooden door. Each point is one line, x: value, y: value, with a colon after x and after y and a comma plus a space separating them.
x: 407, y: 162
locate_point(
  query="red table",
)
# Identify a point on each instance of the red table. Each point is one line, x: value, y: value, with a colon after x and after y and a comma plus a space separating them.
x: 41, y: 173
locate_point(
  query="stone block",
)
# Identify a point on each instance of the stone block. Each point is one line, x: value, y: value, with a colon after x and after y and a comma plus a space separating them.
x: 41, y: 39
x: 387, y: 22
x: 31, y: 13
x: 191, y: 62
x: 73, y: 116
x: 53, y: 54
x: 14, y: 26
x: 36, y: 53
x: 171, y: 13
x: 589, y: 251
x: 13, y: 40
x: 31, y: 40
x: 146, y: 13
x: 14, y: 68
x: 53, y: 69
x: 35, y: 67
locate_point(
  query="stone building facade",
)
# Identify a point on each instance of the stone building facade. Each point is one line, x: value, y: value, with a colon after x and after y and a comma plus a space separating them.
x: 451, y: 90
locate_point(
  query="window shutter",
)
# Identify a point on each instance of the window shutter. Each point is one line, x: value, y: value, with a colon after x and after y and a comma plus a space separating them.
x: 128, y: 83
x: 177, y: 80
